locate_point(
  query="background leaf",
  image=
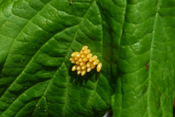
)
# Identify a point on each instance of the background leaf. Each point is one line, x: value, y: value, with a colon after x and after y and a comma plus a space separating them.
x: 146, y: 62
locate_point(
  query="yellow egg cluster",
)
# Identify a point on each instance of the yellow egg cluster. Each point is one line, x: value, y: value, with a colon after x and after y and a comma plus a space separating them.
x: 84, y: 61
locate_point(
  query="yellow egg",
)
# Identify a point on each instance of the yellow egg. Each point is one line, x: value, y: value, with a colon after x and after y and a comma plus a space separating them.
x: 85, y: 59
x: 77, y: 62
x: 87, y: 51
x: 74, y: 67
x: 83, y: 72
x: 80, y: 60
x: 83, y: 67
x: 78, y: 68
x: 78, y: 55
x: 99, y: 66
x: 91, y: 59
x: 82, y: 56
x: 96, y: 62
x: 76, y: 58
x: 78, y: 72
x: 88, y: 64
x: 89, y: 69
x: 73, y: 61
x: 82, y: 63
x: 92, y: 66
x: 74, y: 54
x: 94, y: 57
x: 84, y: 47
x: 89, y: 55
x: 81, y: 52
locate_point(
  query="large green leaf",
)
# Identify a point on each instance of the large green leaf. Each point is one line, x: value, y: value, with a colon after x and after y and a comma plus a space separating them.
x: 147, y: 60
x: 37, y: 38
x: 132, y: 38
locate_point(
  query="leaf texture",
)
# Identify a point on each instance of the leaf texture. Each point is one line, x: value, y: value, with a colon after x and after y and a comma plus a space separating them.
x: 37, y: 38
x: 146, y: 62
x: 134, y: 40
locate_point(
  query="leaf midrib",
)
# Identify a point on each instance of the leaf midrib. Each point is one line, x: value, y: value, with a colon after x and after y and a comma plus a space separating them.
x: 150, y: 63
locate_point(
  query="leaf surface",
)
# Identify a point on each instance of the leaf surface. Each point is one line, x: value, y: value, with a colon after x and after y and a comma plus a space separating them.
x: 146, y: 62
x: 37, y: 38
x: 134, y: 39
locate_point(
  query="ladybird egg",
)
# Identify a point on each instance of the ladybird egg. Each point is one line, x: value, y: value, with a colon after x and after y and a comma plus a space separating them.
x: 82, y: 63
x: 96, y: 62
x: 78, y: 68
x: 99, y: 66
x: 78, y: 55
x: 92, y: 66
x: 91, y: 59
x: 74, y: 54
x: 89, y: 69
x: 94, y: 57
x: 73, y: 61
x: 87, y: 51
x: 77, y: 62
x: 80, y: 60
x: 84, y: 47
x: 76, y: 58
x: 89, y: 55
x: 83, y: 72
x: 74, y: 67
x: 78, y: 72
x: 82, y: 56
x: 88, y: 64
x: 83, y: 67
x: 85, y: 59
x: 81, y: 52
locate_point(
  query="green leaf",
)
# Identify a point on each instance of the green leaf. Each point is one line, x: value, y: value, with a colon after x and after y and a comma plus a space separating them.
x: 37, y: 38
x: 147, y: 60
x: 134, y: 40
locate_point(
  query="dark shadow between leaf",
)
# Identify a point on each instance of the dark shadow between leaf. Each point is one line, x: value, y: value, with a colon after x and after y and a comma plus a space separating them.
x: 79, y: 80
